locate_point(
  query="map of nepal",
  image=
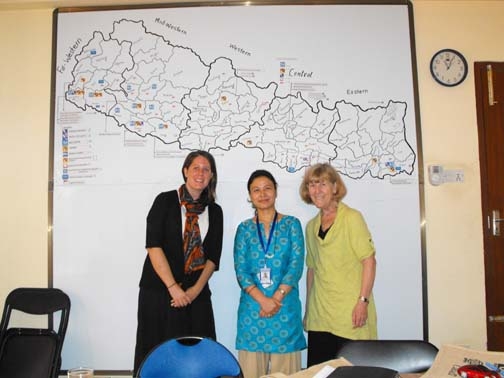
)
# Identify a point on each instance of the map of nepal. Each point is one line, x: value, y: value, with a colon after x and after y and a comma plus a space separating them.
x: 155, y: 89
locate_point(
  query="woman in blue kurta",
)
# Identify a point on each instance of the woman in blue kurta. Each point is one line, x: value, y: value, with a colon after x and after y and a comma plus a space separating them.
x: 268, y: 259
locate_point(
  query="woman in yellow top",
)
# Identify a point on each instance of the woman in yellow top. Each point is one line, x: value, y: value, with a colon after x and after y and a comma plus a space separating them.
x: 341, y: 268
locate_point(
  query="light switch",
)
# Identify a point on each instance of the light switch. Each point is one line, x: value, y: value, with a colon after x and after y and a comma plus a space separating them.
x: 454, y: 175
x: 438, y: 175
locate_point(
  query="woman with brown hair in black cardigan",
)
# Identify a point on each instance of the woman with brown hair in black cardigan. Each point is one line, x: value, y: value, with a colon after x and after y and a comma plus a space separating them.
x: 184, y: 244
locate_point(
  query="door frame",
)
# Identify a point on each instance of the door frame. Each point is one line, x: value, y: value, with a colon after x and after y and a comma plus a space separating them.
x: 482, y: 98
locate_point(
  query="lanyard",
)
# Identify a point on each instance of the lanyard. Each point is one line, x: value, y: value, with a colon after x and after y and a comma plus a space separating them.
x: 265, y: 249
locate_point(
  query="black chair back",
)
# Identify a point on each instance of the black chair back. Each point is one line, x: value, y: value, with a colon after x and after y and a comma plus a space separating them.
x: 405, y: 356
x: 27, y: 352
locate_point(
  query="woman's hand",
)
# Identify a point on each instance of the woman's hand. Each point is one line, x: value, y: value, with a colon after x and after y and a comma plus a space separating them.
x: 193, y: 292
x: 359, y: 314
x: 269, y: 307
x: 179, y: 297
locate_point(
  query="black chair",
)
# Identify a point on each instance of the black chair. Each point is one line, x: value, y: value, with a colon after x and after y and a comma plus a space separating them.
x: 33, y: 352
x: 190, y: 356
x: 405, y: 356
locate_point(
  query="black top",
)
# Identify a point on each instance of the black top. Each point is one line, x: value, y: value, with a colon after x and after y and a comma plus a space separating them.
x: 164, y: 230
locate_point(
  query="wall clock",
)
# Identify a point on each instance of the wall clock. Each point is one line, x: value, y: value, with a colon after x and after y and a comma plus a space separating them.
x: 448, y: 67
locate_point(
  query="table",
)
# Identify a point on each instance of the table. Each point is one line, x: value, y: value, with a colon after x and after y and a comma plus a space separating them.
x: 313, y: 370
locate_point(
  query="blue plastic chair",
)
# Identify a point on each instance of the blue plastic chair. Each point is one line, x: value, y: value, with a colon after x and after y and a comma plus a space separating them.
x: 190, y: 356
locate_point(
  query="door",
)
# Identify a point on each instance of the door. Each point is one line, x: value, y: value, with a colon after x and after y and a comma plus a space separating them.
x: 489, y: 80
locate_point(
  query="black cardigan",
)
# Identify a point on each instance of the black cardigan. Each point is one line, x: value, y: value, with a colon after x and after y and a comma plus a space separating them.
x: 164, y: 230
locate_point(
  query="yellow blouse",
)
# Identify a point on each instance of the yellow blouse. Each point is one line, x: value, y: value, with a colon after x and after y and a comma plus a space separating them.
x: 336, y: 263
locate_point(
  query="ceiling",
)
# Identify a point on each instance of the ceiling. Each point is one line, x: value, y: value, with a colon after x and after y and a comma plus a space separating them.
x: 44, y: 4
x: 47, y: 4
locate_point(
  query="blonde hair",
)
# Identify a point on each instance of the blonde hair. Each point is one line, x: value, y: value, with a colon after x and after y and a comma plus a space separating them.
x: 322, y: 172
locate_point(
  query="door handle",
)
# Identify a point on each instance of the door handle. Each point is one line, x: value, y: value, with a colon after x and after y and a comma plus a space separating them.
x: 496, y: 318
x: 496, y: 219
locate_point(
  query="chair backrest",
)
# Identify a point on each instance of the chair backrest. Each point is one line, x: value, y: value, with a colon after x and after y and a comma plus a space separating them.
x: 405, y: 356
x: 190, y: 356
x: 33, y: 352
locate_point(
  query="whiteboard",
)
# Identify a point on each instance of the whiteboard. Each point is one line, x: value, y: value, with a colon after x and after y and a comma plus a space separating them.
x: 276, y: 87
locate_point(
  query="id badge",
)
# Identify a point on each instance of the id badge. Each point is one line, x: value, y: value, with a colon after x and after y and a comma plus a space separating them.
x: 265, y: 277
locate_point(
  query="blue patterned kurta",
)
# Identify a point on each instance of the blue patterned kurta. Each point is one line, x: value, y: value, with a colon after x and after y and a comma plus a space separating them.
x: 283, y: 332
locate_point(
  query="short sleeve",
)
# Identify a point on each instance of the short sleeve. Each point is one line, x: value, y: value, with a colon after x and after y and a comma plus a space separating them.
x: 362, y: 242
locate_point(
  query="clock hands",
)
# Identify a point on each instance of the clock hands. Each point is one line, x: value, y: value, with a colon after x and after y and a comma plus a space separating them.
x: 451, y: 61
x: 448, y: 62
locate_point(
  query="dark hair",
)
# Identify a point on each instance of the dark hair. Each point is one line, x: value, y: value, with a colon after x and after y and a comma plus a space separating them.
x: 261, y: 173
x: 322, y: 172
x: 212, y: 185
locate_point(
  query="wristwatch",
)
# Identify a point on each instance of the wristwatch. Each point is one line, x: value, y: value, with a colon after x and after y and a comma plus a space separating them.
x: 363, y: 299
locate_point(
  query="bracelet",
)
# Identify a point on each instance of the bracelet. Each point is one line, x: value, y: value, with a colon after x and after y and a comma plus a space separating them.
x: 282, y: 291
x: 173, y: 284
x: 250, y: 288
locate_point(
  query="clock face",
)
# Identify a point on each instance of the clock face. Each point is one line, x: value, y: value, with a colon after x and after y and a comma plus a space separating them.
x: 448, y: 67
